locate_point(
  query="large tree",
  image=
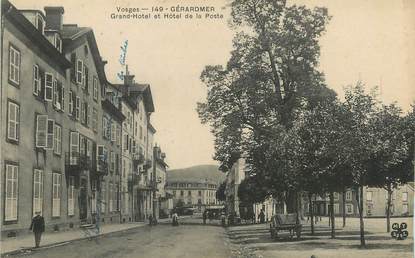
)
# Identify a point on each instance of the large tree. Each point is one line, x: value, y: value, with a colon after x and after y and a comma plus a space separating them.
x: 360, y: 141
x: 271, y: 76
x: 391, y: 161
x: 320, y: 154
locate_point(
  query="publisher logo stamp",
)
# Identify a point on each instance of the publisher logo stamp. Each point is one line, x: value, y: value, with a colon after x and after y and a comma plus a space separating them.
x: 399, y: 232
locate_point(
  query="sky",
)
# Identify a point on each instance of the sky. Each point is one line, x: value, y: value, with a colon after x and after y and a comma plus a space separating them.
x: 368, y: 40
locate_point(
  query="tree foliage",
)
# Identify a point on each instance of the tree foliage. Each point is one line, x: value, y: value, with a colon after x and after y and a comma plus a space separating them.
x: 270, y: 105
x: 221, y: 192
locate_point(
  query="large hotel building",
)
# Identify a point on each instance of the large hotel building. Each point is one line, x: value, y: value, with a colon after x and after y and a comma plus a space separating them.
x: 74, y: 146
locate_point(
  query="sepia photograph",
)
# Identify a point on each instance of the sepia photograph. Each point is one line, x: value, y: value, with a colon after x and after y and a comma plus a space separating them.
x: 207, y: 128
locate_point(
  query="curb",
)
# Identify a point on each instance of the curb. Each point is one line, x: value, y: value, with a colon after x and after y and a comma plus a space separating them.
x: 65, y: 242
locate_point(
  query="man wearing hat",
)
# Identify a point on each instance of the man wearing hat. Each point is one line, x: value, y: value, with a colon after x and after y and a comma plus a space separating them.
x: 38, y: 227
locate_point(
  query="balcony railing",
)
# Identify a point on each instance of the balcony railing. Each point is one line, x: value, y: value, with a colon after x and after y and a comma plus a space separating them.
x: 148, y: 164
x: 100, y: 166
x: 138, y: 159
x: 76, y: 160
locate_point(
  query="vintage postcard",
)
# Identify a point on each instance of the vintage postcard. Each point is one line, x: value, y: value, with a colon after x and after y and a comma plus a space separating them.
x: 207, y: 128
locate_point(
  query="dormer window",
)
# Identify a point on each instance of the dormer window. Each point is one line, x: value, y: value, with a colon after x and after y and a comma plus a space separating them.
x: 58, y: 43
x: 40, y: 23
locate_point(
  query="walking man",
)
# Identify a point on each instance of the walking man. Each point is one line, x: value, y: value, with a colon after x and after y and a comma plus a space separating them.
x: 204, y: 216
x: 38, y: 227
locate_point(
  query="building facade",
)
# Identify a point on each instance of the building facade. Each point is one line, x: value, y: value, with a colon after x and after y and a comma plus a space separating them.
x: 197, y: 194
x: 234, y: 178
x: 33, y: 156
x: 70, y: 143
x: 137, y: 106
x: 163, y: 202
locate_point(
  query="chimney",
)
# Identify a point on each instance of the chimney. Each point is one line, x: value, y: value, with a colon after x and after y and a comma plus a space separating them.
x: 54, y: 17
x: 128, y: 78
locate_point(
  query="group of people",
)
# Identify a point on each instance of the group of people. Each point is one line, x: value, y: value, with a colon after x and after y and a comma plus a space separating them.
x: 208, y: 215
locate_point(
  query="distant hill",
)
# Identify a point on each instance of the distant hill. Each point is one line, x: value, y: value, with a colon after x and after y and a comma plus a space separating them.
x: 196, y: 174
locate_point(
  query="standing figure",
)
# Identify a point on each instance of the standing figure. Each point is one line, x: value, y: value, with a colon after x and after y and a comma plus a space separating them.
x: 175, y: 219
x: 262, y: 217
x: 210, y: 214
x: 38, y: 227
x: 204, y: 216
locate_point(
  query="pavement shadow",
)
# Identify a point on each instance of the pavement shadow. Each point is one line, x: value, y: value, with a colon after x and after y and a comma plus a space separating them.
x: 305, y: 246
x: 260, y: 239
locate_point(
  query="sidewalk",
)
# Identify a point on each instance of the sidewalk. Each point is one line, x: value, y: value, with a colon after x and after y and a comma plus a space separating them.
x: 26, y: 242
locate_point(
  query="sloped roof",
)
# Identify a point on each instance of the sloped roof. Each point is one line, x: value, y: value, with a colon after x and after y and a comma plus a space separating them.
x: 15, y: 16
x: 143, y: 89
x: 72, y: 31
x: 73, y: 36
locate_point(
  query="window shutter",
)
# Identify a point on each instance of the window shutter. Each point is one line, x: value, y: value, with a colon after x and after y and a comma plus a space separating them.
x: 48, y: 87
x: 88, y: 120
x: 74, y: 149
x: 81, y: 144
x: 62, y: 96
x: 41, y: 131
x: 105, y: 155
x: 51, y: 130
x: 77, y: 111
x: 55, y: 92
x: 113, y: 132
x: 73, y: 69
x: 70, y: 111
x: 83, y: 75
x: 12, y: 121
x: 17, y: 112
x: 86, y: 78
x: 42, y: 84
x: 88, y: 148
x: 79, y: 71
x: 100, y: 152
x: 83, y: 112
x: 36, y: 82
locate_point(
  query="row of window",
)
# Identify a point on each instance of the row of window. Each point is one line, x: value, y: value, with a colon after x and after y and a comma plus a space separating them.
x: 48, y: 133
x: 12, y: 197
x: 189, y: 193
x: 348, y: 196
x: 47, y: 87
x: 44, y: 84
x: 80, y: 75
x: 111, y: 130
x: 82, y: 111
x: 11, y: 193
x: 84, y: 146
x: 369, y: 196
x: 192, y: 185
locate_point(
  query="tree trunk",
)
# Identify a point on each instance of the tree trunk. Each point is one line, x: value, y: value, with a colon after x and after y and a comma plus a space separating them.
x: 310, y: 211
x: 333, y: 230
x: 297, y: 210
x: 388, y: 210
x: 290, y: 201
x: 360, y: 207
x: 344, y: 206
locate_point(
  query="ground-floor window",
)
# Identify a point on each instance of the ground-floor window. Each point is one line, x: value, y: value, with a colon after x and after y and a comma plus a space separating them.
x: 349, y: 208
x: 11, y: 191
x: 56, y: 194
x: 37, y: 191
x: 405, y: 208
x: 103, y: 197
x: 71, y: 196
x: 126, y: 203
x: 111, y: 197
